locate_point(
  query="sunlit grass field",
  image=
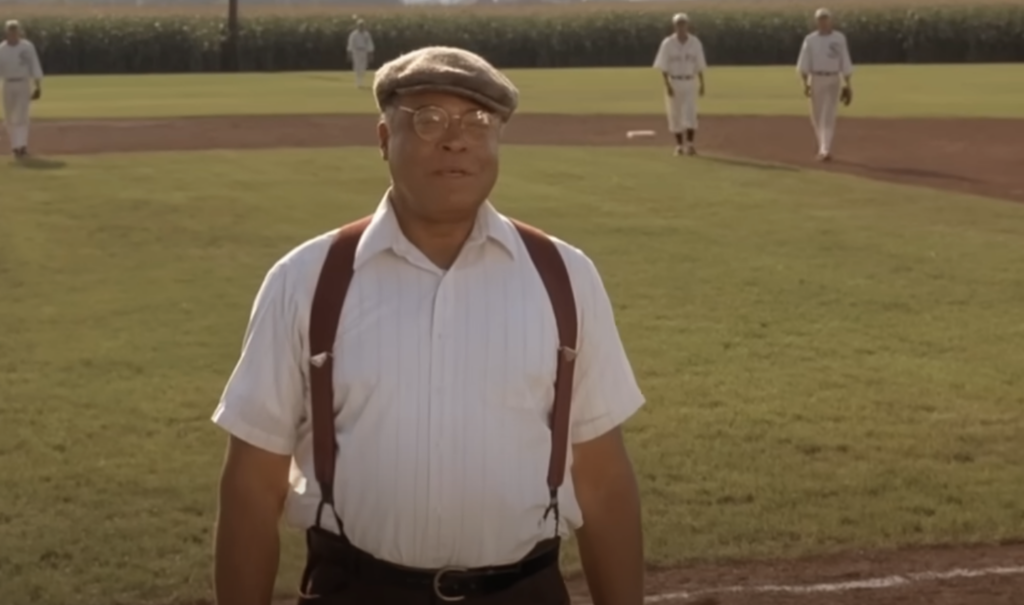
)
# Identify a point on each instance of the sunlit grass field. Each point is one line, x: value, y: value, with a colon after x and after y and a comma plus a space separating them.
x: 830, y: 363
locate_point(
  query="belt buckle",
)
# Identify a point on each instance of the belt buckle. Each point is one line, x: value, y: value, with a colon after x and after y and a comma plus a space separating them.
x: 437, y: 583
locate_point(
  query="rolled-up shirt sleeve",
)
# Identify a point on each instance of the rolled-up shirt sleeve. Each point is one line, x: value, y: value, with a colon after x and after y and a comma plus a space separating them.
x: 605, y: 391
x: 262, y: 403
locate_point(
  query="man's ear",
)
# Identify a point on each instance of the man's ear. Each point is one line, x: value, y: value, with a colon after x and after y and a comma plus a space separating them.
x: 383, y: 136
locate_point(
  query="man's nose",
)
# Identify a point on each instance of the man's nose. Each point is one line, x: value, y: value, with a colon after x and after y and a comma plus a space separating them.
x: 454, y: 138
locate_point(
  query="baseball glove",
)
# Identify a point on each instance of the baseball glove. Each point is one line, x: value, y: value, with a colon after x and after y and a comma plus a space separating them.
x: 846, y: 96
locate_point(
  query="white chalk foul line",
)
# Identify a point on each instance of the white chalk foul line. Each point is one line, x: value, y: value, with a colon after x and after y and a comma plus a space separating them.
x: 866, y: 584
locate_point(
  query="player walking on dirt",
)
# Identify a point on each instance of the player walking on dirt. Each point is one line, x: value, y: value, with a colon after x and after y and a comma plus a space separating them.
x: 825, y: 69
x: 681, y: 61
x: 22, y: 77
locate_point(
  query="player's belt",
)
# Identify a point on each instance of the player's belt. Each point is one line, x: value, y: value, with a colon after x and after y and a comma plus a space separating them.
x: 824, y: 73
x: 681, y: 77
x: 15, y: 79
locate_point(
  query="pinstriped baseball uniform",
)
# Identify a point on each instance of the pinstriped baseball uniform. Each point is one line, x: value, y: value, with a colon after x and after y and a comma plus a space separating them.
x: 19, y: 67
x: 444, y: 382
x: 825, y: 58
x: 682, y: 62
x: 360, y: 46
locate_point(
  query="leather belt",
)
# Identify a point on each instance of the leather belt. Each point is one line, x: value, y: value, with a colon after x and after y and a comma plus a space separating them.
x: 824, y: 73
x: 681, y: 77
x: 15, y: 79
x: 449, y: 584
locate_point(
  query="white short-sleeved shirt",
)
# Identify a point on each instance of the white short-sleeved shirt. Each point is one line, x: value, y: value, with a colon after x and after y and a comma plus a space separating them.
x: 19, y: 61
x: 681, y: 59
x: 825, y: 53
x: 443, y: 385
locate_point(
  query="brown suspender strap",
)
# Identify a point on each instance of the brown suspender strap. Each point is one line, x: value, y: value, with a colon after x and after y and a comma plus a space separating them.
x: 325, y: 315
x: 553, y: 272
x: 331, y: 289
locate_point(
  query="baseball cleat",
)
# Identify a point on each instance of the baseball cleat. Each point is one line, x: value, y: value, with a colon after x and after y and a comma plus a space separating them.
x: 691, y: 150
x: 678, y: 150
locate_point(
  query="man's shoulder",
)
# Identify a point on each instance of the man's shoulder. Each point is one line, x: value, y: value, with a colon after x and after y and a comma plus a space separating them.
x: 580, y: 267
x: 299, y: 268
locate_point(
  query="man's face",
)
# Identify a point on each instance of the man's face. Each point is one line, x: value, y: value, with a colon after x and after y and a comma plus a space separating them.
x: 682, y: 27
x: 361, y: 26
x: 824, y: 24
x: 13, y: 35
x: 442, y: 152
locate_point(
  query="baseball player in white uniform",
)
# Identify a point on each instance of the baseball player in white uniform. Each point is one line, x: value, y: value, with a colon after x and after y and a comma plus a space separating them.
x: 826, y: 71
x: 22, y: 77
x: 360, y: 51
x: 681, y: 62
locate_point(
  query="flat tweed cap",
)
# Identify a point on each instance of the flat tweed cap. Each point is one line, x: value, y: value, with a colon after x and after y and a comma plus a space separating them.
x: 446, y: 69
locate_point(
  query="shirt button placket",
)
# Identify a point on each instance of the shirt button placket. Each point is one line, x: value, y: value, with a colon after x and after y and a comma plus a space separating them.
x: 439, y: 328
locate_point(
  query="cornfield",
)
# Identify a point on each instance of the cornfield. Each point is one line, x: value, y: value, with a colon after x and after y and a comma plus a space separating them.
x: 736, y: 33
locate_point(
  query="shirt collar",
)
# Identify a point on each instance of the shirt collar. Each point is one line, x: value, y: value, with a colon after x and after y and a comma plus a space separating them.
x: 383, y: 232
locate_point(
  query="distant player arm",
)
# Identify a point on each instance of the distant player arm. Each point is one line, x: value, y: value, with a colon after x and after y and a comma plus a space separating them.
x: 37, y: 74
x: 702, y: 65
x: 661, y: 64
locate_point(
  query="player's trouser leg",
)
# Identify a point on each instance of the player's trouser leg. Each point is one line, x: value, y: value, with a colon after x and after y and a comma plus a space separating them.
x: 830, y: 114
x: 687, y: 91
x: 825, y: 103
x: 359, y: 66
x: 17, y: 98
x: 674, y: 111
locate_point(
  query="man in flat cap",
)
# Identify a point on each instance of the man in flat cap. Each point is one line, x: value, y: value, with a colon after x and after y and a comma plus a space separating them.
x: 414, y: 387
x: 826, y: 71
x: 681, y: 61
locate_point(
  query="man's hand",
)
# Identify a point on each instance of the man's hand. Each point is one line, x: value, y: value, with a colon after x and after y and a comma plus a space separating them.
x: 37, y: 94
x: 668, y: 91
x: 253, y: 487
x: 701, y: 92
x: 807, y: 90
x: 846, y: 96
x: 611, y: 538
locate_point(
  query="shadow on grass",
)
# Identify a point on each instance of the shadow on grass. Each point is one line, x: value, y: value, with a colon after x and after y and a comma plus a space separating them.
x: 37, y: 163
x: 909, y: 172
x: 749, y: 163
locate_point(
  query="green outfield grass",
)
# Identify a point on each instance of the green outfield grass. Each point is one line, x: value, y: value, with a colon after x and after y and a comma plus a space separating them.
x: 886, y: 91
x: 830, y: 363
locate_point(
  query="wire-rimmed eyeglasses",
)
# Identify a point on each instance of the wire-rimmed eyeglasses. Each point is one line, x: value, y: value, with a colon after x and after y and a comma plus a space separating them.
x: 431, y: 122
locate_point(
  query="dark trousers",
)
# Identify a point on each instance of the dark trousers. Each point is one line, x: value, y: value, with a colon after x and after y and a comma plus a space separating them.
x: 337, y: 573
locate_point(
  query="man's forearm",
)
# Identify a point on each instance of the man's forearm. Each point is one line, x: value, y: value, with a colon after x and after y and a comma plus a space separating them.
x: 248, y: 550
x: 611, y: 541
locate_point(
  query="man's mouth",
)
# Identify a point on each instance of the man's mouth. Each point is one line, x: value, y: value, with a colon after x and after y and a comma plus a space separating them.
x: 453, y: 173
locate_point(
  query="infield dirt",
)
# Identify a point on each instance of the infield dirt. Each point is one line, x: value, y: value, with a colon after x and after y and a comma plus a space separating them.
x: 984, y: 157
x: 979, y: 156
